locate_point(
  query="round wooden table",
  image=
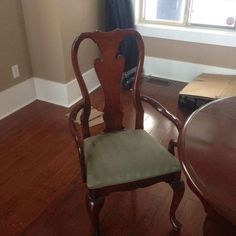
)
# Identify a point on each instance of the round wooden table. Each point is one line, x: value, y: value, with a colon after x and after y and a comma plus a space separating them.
x: 207, y: 149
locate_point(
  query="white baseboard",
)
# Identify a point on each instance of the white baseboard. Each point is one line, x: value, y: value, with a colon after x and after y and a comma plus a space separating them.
x: 16, y: 97
x: 178, y: 70
x: 65, y: 95
x: 50, y: 91
x: 73, y: 90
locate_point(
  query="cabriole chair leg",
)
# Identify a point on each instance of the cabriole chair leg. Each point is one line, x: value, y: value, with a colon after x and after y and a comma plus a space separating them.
x: 178, y: 192
x: 94, y: 206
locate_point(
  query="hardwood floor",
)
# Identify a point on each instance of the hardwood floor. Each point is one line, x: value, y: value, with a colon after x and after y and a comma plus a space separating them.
x: 40, y: 185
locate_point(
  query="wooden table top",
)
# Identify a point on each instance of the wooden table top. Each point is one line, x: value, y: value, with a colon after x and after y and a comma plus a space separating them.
x: 208, y: 154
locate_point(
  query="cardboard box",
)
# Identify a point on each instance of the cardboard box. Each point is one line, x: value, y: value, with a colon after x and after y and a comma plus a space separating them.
x: 208, y: 87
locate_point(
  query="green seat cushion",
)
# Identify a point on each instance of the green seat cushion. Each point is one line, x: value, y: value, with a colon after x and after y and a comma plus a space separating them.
x: 125, y: 156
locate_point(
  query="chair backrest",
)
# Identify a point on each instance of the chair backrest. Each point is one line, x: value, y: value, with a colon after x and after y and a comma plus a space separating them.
x: 109, y: 68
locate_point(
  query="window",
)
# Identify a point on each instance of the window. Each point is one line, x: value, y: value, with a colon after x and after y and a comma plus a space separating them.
x: 165, y: 11
x: 210, y: 13
x: 220, y: 13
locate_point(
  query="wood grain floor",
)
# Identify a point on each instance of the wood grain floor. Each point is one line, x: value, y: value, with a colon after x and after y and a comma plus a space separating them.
x: 41, y: 193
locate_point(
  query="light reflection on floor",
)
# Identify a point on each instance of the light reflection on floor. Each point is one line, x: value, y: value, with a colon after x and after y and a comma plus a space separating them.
x: 149, y: 122
x: 156, y: 129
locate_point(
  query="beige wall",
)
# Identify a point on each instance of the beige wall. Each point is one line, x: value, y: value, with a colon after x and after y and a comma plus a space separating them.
x: 52, y: 26
x: 44, y: 36
x: 191, y: 52
x: 77, y: 17
x: 13, y: 44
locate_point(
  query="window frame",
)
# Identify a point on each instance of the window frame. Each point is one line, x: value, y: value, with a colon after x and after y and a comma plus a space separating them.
x: 186, y: 20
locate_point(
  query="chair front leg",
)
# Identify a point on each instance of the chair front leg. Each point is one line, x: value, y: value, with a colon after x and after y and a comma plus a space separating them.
x: 94, y: 205
x: 178, y: 188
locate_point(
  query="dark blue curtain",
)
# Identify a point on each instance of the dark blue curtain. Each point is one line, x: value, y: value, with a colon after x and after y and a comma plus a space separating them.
x: 119, y: 14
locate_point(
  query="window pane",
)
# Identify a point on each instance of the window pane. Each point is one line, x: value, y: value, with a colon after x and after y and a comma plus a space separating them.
x: 214, y: 12
x: 164, y: 10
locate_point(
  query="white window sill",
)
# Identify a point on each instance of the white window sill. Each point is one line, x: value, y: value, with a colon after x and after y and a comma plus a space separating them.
x: 189, y: 34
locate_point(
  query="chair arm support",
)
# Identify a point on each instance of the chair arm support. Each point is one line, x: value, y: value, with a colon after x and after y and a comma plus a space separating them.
x: 155, y: 104
x: 72, y: 123
x: 77, y: 137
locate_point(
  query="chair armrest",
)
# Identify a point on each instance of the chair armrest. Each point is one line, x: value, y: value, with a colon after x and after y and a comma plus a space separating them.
x: 155, y: 104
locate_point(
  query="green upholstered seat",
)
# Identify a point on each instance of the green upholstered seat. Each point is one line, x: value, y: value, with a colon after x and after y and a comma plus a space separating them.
x: 125, y: 156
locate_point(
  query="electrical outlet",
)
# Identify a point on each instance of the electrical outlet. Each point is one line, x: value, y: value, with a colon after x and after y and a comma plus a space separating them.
x: 15, y: 71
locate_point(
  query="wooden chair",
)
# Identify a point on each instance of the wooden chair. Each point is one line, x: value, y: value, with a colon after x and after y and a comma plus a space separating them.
x: 120, y: 159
